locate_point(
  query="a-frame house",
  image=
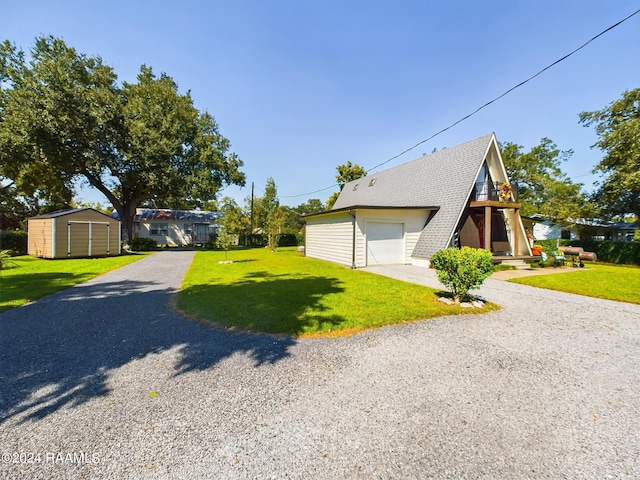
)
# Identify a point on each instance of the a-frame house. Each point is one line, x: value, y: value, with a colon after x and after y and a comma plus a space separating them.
x: 454, y: 197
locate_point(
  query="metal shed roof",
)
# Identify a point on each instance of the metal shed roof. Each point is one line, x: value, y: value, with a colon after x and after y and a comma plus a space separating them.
x: 70, y: 211
x: 162, y: 214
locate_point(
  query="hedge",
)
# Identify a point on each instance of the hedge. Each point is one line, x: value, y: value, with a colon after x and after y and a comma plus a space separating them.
x: 287, y: 240
x: 15, y: 240
x: 627, y: 253
x: 143, y: 244
x: 260, y: 240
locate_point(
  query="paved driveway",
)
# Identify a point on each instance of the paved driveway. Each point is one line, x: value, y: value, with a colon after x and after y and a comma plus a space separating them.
x: 104, y: 381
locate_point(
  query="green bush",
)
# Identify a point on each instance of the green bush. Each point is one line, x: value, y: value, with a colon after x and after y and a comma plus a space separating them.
x: 627, y: 253
x: 14, y: 240
x: 143, y: 244
x: 549, y: 245
x: 5, y: 259
x: 463, y: 269
x: 287, y: 240
x: 257, y: 240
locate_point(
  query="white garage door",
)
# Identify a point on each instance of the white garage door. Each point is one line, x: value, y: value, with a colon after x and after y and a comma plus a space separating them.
x: 385, y: 243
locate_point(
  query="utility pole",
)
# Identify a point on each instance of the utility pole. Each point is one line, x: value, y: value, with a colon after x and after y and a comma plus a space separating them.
x: 251, y: 217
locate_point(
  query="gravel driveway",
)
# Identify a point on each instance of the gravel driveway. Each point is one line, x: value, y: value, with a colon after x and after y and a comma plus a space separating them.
x: 104, y: 381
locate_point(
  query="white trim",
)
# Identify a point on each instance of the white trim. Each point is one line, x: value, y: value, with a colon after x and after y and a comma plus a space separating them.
x: 53, y: 238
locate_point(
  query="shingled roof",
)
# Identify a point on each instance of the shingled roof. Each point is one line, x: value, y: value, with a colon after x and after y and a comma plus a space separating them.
x: 443, y: 179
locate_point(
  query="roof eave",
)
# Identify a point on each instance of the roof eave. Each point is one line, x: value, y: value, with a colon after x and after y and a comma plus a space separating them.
x: 372, y: 207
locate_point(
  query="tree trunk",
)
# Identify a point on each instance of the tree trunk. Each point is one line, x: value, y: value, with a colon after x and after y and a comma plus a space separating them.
x: 126, y: 217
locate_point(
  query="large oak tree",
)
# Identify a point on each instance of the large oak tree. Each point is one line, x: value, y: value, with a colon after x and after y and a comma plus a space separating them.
x: 63, y: 116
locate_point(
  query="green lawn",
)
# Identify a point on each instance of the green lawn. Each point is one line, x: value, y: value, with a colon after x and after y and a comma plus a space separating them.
x: 611, y: 282
x: 287, y: 293
x: 31, y: 278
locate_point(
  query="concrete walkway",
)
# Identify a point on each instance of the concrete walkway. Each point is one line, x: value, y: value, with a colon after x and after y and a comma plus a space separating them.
x: 507, y: 294
x: 104, y: 381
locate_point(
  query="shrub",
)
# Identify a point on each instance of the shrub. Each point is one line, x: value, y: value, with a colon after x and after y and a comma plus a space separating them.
x: 549, y: 245
x: 612, y: 252
x: 463, y: 269
x: 257, y: 240
x: 5, y: 259
x: 15, y: 240
x: 287, y: 240
x: 143, y: 244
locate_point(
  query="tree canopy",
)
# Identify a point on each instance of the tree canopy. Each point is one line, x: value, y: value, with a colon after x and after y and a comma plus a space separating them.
x: 63, y: 116
x: 618, y: 130
x: 543, y: 187
x: 346, y: 173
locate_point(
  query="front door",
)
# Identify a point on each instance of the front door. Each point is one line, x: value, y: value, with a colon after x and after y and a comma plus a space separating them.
x: 201, y: 232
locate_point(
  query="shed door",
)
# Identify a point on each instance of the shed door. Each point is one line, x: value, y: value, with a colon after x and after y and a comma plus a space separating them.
x: 385, y: 243
x: 77, y: 239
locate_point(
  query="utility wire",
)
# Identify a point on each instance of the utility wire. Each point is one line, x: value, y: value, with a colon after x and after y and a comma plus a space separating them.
x: 483, y: 106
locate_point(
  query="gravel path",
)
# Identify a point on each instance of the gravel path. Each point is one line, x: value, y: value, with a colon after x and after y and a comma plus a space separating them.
x: 104, y: 381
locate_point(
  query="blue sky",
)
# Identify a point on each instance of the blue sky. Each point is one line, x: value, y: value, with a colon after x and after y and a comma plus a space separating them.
x: 299, y: 87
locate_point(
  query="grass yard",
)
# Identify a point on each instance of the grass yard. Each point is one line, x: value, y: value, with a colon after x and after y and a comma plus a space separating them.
x: 32, y: 278
x: 287, y: 293
x: 610, y: 282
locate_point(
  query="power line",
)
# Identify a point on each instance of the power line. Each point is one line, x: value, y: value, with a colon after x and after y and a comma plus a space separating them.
x: 483, y: 106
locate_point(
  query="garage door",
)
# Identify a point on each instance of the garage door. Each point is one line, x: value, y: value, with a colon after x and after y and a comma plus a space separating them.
x: 385, y: 243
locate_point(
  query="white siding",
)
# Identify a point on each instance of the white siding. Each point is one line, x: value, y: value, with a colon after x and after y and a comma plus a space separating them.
x: 330, y: 237
x: 175, y: 232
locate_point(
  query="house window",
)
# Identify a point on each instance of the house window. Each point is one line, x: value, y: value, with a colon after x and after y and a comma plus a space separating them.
x: 159, y: 229
x: 483, y: 183
x: 188, y: 228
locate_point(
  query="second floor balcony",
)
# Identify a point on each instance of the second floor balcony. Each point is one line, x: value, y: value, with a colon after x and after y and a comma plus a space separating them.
x: 498, y: 192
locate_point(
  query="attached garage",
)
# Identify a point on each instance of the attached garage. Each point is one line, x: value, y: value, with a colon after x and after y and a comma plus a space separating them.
x: 75, y: 233
x: 359, y: 237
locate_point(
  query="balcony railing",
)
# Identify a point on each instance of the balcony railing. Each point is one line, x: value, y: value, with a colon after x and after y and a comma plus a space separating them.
x: 487, y: 191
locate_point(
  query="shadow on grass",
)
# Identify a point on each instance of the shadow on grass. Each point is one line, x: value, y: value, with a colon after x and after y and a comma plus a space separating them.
x: 261, y: 301
x: 59, y: 352
x: 31, y: 286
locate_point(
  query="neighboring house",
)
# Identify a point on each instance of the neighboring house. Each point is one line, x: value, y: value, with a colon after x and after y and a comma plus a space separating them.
x: 175, y: 227
x: 583, y: 229
x: 454, y: 197
x: 74, y: 233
